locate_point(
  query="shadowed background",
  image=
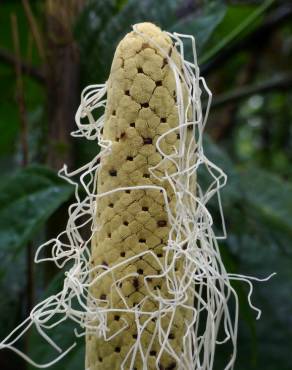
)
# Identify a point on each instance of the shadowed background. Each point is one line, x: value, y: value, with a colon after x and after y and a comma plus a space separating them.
x: 49, y: 51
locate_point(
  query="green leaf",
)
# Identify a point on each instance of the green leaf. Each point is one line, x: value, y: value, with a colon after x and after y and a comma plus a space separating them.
x: 258, y: 208
x: 89, y: 26
x: 27, y: 200
x: 202, y: 25
x: 12, y: 283
x: 231, y: 191
x: 269, y: 196
x: 259, y: 238
x: 63, y: 335
x: 239, y: 21
x: 260, y: 257
x: 102, y: 26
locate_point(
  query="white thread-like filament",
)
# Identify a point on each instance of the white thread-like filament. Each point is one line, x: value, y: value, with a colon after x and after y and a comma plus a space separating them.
x: 204, y: 275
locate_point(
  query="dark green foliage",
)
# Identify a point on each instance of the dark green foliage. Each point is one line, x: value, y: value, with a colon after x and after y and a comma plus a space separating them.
x: 239, y: 21
x: 62, y: 336
x: 27, y: 200
x: 101, y: 27
x: 257, y: 207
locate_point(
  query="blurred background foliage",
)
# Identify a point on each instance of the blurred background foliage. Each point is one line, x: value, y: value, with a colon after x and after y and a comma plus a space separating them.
x: 50, y: 50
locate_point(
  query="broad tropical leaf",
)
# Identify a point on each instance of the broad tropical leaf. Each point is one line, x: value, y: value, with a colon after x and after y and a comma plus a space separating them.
x: 27, y: 200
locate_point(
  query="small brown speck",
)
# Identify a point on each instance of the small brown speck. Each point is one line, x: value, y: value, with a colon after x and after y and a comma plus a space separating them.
x: 147, y: 140
x: 113, y: 172
x: 136, y: 283
x: 161, y: 223
x: 145, y: 45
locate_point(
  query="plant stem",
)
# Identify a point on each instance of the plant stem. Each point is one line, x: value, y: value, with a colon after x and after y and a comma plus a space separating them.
x: 19, y: 91
x: 283, y: 81
x: 26, y: 68
x: 34, y: 28
x: 24, y: 149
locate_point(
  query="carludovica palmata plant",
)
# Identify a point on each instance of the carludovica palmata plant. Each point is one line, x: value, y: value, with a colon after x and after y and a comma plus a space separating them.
x: 148, y: 288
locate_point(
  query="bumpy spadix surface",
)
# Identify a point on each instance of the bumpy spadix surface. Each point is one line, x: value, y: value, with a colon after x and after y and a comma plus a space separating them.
x: 141, y: 106
x: 144, y: 280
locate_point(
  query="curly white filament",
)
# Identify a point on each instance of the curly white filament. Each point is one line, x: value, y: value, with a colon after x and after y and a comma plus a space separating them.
x: 204, y: 274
